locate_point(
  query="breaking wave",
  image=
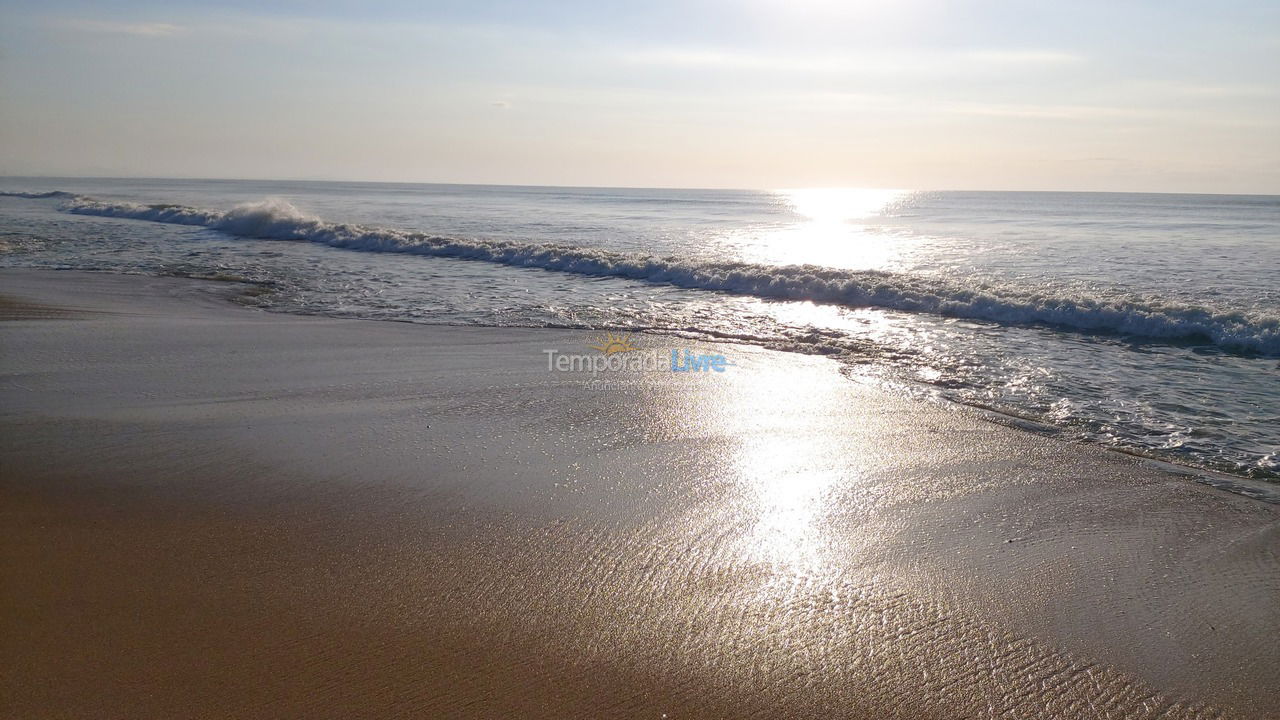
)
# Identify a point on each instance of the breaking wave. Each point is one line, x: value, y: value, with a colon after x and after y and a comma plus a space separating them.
x: 39, y: 195
x: 1254, y: 332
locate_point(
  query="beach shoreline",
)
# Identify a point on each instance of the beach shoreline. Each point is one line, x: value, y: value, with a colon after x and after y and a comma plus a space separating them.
x: 215, y: 511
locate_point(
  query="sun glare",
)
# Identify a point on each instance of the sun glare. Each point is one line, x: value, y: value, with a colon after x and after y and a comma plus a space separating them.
x: 834, y: 227
x: 831, y: 206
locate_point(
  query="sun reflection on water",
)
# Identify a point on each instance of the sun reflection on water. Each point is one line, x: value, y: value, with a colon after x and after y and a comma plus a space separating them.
x: 838, y: 206
x: 832, y: 227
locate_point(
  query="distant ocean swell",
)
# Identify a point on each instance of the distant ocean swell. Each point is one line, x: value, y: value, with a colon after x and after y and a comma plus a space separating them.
x: 39, y: 195
x: 278, y: 220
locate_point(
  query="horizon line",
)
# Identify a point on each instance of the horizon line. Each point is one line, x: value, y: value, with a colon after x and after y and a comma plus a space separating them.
x: 621, y: 187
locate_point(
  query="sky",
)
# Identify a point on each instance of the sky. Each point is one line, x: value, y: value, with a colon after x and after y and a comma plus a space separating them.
x: 1165, y: 96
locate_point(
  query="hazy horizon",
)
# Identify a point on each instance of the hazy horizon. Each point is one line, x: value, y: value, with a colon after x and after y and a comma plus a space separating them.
x: 551, y: 186
x: 1098, y: 97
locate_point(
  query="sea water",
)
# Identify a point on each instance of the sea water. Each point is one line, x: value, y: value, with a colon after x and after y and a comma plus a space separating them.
x: 1145, y: 322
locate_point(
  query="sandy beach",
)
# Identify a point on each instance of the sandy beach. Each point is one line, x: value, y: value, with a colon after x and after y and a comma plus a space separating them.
x: 214, y: 511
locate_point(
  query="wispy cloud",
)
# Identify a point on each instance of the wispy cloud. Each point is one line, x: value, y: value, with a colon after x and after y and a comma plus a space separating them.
x: 1021, y: 57
x: 1218, y: 91
x: 111, y: 27
x: 708, y: 59
x: 1043, y: 112
x: 880, y: 63
x: 501, y: 104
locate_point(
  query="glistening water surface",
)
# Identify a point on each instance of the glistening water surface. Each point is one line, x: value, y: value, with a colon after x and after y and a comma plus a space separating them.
x: 1145, y: 322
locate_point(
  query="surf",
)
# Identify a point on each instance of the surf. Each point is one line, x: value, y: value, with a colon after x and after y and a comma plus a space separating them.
x: 1150, y: 318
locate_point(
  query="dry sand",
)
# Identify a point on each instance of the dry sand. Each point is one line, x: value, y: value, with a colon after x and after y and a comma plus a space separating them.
x: 211, y: 511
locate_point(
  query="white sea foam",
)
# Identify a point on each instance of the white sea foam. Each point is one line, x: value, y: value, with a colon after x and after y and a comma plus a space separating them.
x: 1150, y: 318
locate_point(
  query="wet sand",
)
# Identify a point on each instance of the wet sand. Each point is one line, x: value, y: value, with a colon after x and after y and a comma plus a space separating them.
x: 213, y: 511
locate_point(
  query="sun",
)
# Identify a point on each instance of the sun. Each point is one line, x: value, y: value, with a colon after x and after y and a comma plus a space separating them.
x: 610, y: 344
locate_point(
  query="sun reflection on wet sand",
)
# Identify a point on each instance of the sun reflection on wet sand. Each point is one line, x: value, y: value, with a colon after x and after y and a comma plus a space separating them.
x: 791, y: 469
x: 790, y: 503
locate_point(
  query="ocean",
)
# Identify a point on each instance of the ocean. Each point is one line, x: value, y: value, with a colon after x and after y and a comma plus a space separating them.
x: 1149, y: 323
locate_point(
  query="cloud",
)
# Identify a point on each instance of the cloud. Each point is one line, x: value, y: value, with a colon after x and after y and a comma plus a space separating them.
x: 501, y: 104
x: 1021, y: 57
x: 895, y: 63
x: 1217, y: 91
x: 1043, y: 112
x: 109, y: 27
x: 699, y: 58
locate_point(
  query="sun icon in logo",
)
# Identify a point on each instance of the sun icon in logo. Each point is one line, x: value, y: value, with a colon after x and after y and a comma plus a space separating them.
x: 611, y: 344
